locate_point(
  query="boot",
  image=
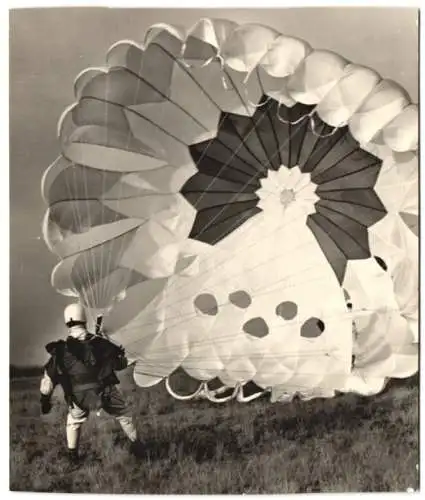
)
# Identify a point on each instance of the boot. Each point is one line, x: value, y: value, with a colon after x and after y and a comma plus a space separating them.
x: 73, y: 456
x: 136, y: 448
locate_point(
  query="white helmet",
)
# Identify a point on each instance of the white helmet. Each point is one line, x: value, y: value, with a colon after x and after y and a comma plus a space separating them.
x: 75, y: 313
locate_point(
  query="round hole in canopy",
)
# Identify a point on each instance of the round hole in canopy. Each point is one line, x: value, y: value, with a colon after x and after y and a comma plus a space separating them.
x: 256, y: 327
x: 206, y: 303
x: 287, y: 310
x: 312, y: 328
x: 240, y: 299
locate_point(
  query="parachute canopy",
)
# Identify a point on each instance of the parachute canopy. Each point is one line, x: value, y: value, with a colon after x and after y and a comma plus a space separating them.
x: 242, y: 207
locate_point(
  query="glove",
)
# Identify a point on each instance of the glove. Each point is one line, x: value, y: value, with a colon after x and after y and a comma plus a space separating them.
x: 46, y: 405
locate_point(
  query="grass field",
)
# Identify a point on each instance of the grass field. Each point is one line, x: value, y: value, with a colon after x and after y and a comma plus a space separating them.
x: 347, y: 444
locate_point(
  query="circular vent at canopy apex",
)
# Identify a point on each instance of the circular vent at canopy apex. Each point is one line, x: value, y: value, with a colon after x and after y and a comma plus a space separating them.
x: 218, y: 192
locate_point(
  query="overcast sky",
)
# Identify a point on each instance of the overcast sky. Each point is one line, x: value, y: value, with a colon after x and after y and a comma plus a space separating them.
x: 49, y: 47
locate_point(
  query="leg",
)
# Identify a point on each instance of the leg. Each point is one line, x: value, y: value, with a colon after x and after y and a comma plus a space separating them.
x: 114, y: 405
x: 75, y: 419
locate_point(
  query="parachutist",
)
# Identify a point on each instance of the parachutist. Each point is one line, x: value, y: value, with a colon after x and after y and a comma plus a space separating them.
x: 84, y: 366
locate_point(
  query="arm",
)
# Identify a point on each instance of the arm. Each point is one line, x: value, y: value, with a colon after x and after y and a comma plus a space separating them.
x: 50, y: 379
x: 47, y: 386
x: 111, y: 357
x: 120, y: 361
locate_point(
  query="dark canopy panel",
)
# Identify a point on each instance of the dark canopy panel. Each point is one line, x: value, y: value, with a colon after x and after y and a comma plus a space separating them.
x: 231, y: 166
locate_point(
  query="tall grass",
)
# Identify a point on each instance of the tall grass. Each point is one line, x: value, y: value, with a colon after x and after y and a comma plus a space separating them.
x: 346, y: 444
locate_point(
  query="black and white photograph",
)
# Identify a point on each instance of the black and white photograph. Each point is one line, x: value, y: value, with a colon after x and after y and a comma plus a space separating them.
x: 214, y: 258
